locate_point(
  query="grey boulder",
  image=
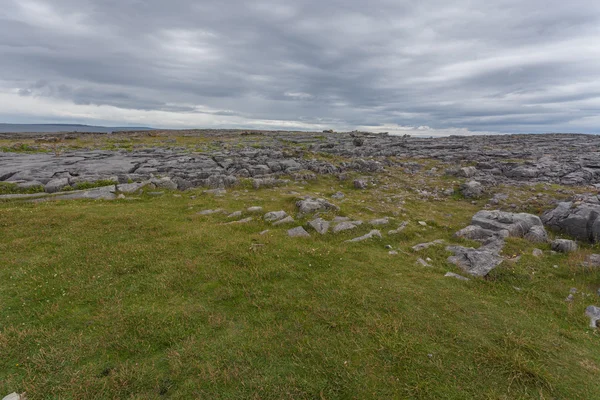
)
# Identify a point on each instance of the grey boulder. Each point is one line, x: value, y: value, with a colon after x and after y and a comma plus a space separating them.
x: 56, y: 185
x: 298, y: 232
x: 275, y: 216
x: 320, y: 225
x: 311, y: 205
x: 476, y: 262
x: 517, y: 224
x: 579, y: 220
x: 564, y: 245
x: 471, y: 189
x: 593, y: 313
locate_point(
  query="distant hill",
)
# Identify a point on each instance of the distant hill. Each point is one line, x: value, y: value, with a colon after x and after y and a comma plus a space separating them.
x: 53, y: 128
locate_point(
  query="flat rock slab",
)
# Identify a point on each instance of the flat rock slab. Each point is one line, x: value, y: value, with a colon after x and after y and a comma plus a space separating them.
x: 372, y: 234
x: 476, y: 262
x: 456, y: 276
x: 320, y: 225
x: 344, y: 226
x: 275, y: 216
x: 298, y: 232
x: 311, y: 205
x: 423, y: 246
x: 286, y: 220
x: 211, y: 212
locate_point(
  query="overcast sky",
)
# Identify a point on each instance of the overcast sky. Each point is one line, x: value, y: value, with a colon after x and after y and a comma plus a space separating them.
x: 430, y: 66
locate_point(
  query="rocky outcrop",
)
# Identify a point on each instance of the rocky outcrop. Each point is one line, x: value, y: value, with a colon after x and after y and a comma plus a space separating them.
x: 491, y: 228
x: 578, y: 218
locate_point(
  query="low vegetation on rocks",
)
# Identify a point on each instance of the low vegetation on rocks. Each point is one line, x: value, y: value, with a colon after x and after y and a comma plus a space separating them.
x: 169, y: 273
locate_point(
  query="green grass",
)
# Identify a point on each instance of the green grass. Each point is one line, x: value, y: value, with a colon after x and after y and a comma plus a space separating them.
x: 145, y: 299
x: 95, y: 184
x: 13, y: 188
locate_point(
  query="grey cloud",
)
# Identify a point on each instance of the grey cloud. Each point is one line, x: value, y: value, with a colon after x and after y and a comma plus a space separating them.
x: 494, y: 65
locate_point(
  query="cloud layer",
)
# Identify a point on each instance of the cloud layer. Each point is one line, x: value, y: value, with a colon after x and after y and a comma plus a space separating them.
x: 446, y: 67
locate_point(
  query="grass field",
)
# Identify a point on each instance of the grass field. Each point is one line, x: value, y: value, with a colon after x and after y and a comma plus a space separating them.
x: 145, y: 299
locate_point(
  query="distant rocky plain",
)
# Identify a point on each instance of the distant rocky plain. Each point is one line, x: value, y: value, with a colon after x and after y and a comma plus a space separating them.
x: 567, y: 159
x: 218, y: 159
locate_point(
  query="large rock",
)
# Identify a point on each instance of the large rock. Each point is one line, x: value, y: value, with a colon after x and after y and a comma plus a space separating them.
x: 564, y: 245
x: 475, y: 232
x: 517, y: 224
x: 537, y: 234
x: 593, y: 313
x: 298, y: 232
x: 476, y: 262
x: 164, y: 183
x: 131, y: 187
x: 577, y: 219
x: 471, y: 189
x: 320, y: 225
x: 56, y: 185
x: 311, y: 205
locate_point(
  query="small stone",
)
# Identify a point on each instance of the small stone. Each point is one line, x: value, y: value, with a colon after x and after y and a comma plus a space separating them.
x: 422, y: 223
x: 393, y: 253
x: 389, y: 247
x: 400, y: 228
x: 216, y: 192
x: 298, y: 232
x: 381, y: 221
x: 570, y: 298
x: 338, y: 196
x: 242, y: 221
x: 210, y: 212
x: 593, y: 260
x: 537, y: 253
x: 360, y: 184
x: 341, y: 219
x: 235, y: 214
x: 254, y: 209
x: 423, y: 262
x: 453, y: 275
x: 14, y: 396
x: 573, y: 290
